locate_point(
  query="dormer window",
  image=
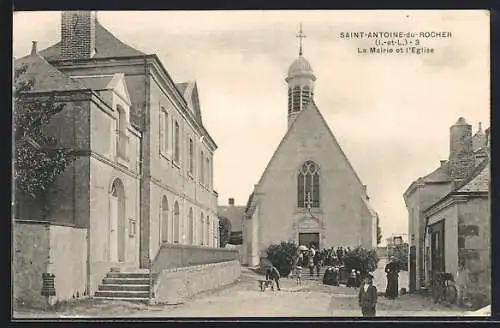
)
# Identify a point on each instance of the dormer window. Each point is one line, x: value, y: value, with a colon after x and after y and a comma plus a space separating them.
x: 122, y: 139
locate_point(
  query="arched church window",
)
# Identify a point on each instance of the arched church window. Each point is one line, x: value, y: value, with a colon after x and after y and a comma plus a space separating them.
x: 306, y: 96
x: 296, y: 99
x: 191, y: 226
x: 164, y: 220
x: 202, y: 229
x: 308, y: 185
x: 289, y: 100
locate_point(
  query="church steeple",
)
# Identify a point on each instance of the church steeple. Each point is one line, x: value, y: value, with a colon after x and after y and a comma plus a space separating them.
x: 300, y: 81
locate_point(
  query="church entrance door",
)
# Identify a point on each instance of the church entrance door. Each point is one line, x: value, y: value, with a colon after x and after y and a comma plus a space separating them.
x: 308, y: 238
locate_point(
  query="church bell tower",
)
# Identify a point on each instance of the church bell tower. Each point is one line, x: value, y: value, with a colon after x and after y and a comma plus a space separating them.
x: 300, y: 81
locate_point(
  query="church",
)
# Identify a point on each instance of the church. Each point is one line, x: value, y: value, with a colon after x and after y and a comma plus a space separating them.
x: 309, y: 192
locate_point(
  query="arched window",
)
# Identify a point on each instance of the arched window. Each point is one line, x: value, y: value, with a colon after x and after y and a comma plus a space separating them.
x: 202, y: 229
x: 164, y: 220
x: 191, y: 226
x: 308, y: 185
x: 117, y: 227
x: 296, y: 99
x: 176, y: 222
x: 208, y: 231
x: 306, y: 96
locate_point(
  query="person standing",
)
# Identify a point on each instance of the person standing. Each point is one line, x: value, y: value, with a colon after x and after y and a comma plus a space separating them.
x: 273, y: 274
x: 298, y: 268
x: 367, y: 297
x: 317, y: 262
x: 392, y: 271
x: 461, y: 282
x: 310, y: 260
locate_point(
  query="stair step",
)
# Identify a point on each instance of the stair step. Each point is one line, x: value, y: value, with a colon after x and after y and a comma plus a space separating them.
x: 126, y: 281
x: 123, y: 287
x: 122, y: 298
x: 127, y: 275
x: 122, y: 293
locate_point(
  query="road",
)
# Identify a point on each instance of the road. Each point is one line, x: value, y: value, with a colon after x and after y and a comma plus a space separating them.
x: 243, y: 299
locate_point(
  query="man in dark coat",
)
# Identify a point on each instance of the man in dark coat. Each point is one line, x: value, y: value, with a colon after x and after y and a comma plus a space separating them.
x: 273, y: 274
x: 392, y: 270
x: 367, y: 297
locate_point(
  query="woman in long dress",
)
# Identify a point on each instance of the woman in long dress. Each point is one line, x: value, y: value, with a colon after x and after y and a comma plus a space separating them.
x: 392, y: 270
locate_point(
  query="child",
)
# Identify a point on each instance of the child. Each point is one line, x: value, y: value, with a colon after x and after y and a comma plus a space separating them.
x: 273, y: 274
x: 367, y: 297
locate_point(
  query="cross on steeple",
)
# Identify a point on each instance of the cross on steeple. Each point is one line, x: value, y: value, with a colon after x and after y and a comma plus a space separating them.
x: 300, y: 36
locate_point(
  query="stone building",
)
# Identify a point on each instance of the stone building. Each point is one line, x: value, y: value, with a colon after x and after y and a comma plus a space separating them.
x: 440, y: 197
x: 143, y: 181
x: 309, y: 192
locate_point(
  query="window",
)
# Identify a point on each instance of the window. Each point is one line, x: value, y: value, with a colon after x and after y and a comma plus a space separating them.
x: 289, y: 100
x: 176, y: 138
x: 164, y: 220
x: 308, y: 185
x: 306, y: 95
x: 202, y: 229
x: 296, y: 99
x: 208, y: 172
x: 191, y: 155
x: 164, y: 131
x: 176, y: 222
x: 208, y: 231
x: 202, y: 168
x: 191, y: 227
x: 121, y: 134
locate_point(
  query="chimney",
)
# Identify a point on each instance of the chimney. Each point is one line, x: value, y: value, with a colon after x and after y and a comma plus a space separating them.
x: 78, y: 34
x: 461, y: 159
x: 443, y: 162
x: 33, y: 48
x: 231, y: 201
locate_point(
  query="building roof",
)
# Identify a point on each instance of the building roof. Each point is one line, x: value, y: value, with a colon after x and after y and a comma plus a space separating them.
x: 479, y: 181
x: 100, y: 82
x: 235, y: 215
x: 46, y: 77
x: 106, y: 45
x: 441, y: 174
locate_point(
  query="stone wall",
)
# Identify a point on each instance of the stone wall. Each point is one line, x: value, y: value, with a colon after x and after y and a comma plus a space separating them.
x: 176, y: 256
x: 173, y: 286
x: 40, y: 247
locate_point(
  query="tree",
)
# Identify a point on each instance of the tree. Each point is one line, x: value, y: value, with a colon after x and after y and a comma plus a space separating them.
x: 38, y: 158
x: 379, y: 232
x: 224, y: 231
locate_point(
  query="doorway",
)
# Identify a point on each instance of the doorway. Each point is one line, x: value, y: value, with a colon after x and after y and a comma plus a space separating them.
x: 117, y: 229
x: 437, y: 247
x: 308, y: 238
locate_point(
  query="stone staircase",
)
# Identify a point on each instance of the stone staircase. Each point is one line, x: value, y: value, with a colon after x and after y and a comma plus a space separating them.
x: 132, y: 286
x: 307, y: 276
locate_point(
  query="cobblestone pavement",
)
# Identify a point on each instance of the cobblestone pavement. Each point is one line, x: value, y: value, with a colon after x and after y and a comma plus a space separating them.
x: 243, y: 299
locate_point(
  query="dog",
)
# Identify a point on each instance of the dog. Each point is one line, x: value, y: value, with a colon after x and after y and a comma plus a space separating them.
x: 265, y: 284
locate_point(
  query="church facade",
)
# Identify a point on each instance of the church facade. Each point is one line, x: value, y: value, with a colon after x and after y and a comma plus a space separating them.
x: 309, y: 192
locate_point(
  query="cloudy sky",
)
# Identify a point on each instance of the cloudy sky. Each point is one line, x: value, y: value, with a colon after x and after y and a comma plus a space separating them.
x: 390, y: 113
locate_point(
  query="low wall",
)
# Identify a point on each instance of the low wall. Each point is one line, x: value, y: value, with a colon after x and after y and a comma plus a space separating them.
x: 68, y: 262
x: 177, y: 256
x: 173, y: 286
x: 30, y: 260
x: 43, y: 247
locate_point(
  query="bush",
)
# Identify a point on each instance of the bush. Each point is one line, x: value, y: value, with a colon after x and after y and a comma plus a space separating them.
x: 400, y: 253
x: 282, y: 256
x: 361, y: 259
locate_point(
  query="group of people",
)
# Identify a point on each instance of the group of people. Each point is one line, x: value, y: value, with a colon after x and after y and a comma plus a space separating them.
x: 309, y: 258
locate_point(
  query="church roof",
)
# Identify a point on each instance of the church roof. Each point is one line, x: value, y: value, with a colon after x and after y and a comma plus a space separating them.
x: 106, y: 44
x: 46, y: 77
x: 300, y: 66
x: 311, y: 107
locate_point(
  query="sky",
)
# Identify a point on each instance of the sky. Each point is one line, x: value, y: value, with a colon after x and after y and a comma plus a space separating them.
x: 391, y: 113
